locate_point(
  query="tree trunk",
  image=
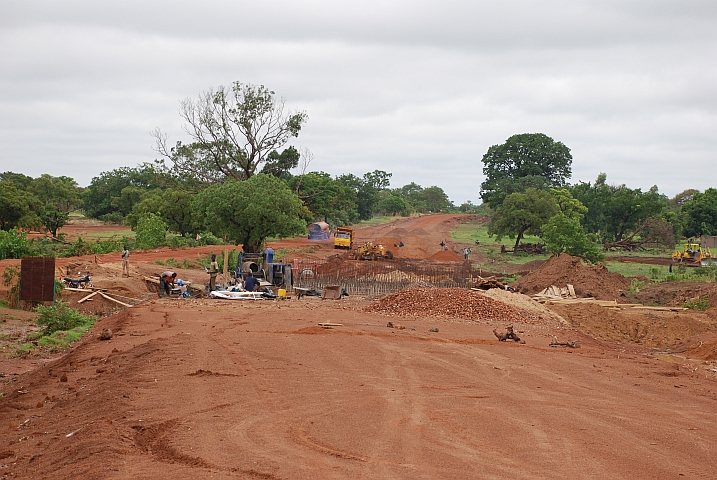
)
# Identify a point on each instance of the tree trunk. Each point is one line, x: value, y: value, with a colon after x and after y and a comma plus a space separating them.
x: 517, y: 241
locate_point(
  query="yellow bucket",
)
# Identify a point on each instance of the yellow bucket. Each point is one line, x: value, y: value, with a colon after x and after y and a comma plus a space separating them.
x: 281, y: 292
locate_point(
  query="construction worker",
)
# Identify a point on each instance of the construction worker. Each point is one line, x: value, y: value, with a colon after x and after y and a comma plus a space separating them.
x: 213, y: 271
x: 250, y: 283
x: 125, y: 261
x: 165, y: 280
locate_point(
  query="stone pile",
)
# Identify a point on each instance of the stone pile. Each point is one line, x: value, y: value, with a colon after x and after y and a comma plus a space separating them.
x: 449, y: 303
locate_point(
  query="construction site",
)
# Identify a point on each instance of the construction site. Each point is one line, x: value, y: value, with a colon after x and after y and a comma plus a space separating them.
x: 386, y: 351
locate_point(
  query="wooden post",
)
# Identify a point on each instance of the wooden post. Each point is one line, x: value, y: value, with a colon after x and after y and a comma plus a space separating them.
x: 226, y: 261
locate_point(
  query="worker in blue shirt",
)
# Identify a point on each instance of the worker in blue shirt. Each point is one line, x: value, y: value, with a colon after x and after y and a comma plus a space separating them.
x: 250, y: 283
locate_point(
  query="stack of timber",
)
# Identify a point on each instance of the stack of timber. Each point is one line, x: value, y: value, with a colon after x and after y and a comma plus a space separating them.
x: 566, y: 296
x: 104, y: 293
x: 553, y: 293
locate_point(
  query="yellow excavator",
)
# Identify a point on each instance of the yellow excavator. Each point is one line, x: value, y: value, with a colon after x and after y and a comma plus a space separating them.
x: 694, y: 255
x: 369, y: 251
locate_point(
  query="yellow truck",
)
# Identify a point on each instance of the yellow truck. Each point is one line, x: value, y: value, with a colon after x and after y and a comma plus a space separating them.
x: 344, y: 238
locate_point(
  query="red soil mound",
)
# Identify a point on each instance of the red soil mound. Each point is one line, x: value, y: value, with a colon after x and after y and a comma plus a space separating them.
x: 588, y: 280
x: 446, y: 256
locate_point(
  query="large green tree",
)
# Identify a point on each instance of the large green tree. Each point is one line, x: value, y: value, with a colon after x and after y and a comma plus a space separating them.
x: 522, y: 213
x: 367, y: 189
x: 326, y: 198
x: 247, y: 212
x: 701, y: 212
x: 233, y: 129
x: 563, y: 231
x: 173, y: 206
x: 17, y: 207
x: 529, y: 160
x: 59, y: 196
x: 104, y: 194
x: 615, y: 211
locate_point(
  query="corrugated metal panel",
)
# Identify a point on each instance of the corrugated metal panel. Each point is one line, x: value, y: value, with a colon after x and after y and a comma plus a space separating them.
x: 37, y: 279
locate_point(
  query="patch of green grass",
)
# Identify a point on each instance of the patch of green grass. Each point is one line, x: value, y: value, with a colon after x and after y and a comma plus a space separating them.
x: 106, y: 234
x: 172, y: 263
x: 637, y: 269
x: 378, y: 220
x: 470, y: 232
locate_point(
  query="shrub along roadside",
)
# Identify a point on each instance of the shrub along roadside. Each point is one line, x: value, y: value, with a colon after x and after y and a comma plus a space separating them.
x: 61, y: 325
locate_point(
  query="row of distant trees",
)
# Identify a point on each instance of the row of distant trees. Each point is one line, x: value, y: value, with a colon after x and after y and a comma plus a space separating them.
x: 234, y: 179
x: 527, y: 189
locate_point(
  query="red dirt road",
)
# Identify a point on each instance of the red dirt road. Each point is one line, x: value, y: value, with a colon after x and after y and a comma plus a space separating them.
x: 214, y: 389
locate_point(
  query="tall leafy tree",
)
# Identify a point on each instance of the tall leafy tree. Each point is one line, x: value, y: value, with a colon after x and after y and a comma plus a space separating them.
x: 20, y: 180
x: 701, y: 212
x: 106, y: 189
x: 17, y: 207
x: 59, y: 196
x: 279, y: 164
x: 614, y: 211
x: 434, y: 199
x: 522, y: 213
x: 367, y: 190
x: 233, y: 131
x: 247, y: 212
x: 529, y: 160
x: 173, y: 206
x: 326, y: 198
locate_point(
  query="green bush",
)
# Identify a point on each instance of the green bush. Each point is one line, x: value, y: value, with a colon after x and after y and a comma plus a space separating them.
x: 151, y: 232
x: 208, y: 238
x: 14, y: 244
x: 60, y: 317
x: 115, y: 218
x: 701, y: 304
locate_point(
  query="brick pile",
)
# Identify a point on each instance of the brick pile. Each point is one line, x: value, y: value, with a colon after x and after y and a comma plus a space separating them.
x: 450, y: 303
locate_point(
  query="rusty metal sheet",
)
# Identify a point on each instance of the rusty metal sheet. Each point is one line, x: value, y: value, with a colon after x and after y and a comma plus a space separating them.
x: 37, y: 279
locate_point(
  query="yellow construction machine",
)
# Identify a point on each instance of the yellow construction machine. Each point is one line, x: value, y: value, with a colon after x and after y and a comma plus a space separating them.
x: 344, y: 238
x: 694, y: 255
x: 369, y: 251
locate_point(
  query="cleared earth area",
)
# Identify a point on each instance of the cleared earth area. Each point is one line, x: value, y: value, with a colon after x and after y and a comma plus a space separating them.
x: 200, y: 388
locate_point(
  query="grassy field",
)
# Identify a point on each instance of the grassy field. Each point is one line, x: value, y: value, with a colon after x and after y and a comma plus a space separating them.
x: 470, y: 232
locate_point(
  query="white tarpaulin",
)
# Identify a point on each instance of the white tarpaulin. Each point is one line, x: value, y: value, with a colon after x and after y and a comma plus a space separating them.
x: 236, y: 295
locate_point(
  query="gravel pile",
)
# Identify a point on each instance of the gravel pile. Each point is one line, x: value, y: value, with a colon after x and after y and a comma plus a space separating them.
x: 450, y: 303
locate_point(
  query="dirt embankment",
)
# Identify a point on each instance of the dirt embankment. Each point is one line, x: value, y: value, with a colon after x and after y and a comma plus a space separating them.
x: 588, y: 280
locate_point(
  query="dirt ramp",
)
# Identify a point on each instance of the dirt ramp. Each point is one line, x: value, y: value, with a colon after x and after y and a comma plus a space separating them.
x: 588, y: 280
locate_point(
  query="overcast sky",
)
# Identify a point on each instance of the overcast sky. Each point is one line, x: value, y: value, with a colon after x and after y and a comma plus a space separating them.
x: 418, y: 88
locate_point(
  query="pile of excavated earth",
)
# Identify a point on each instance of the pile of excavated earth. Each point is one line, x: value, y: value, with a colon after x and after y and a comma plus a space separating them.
x: 587, y: 280
x: 454, y: 303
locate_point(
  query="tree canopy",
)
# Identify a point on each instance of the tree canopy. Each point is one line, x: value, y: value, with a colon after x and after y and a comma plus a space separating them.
x: 522, y: 213
x: 614, y: 211
x: 701, y: 213
x: 233, y: 129
x: 247, y: 212
x: 529, y: 160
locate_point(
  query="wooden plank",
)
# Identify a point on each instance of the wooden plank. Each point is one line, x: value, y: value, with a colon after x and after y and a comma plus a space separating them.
x: 114, y: 300
x: 571, y: 290
x: 331, y: 324
x: 70, y: 289
x: 88, y: 297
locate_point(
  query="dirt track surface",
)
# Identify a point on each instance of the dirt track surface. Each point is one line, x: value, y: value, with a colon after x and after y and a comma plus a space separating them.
x: 200, y: 389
